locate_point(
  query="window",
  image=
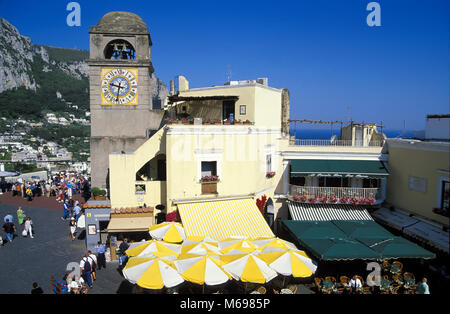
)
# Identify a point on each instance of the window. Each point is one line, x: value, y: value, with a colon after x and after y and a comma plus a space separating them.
x: 445, y: 195
x: 417, y: 184
x: 268, y: 163
x: 209, y: 168
x: 299, y: 181
x: 370, y: 183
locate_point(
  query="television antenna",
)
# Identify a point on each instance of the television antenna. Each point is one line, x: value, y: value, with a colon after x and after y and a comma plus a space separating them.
x: 229, y: 73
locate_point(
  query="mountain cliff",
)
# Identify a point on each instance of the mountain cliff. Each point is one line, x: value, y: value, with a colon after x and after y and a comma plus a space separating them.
x: 35, y: 79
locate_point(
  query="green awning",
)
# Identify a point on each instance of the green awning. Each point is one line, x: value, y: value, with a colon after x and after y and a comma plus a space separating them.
x: 327, y: 242
x: 396, y: 247
x: 352, y: 240
x: 338, y: 168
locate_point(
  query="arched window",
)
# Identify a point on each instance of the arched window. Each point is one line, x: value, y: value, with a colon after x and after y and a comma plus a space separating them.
x: 120, y: 49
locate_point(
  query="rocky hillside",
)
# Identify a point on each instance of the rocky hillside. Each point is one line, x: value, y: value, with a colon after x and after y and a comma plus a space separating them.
x: 36, y: 79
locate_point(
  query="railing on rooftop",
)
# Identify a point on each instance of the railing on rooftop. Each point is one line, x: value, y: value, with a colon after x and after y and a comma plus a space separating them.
x: 337, y: 195
x: 347, y: 143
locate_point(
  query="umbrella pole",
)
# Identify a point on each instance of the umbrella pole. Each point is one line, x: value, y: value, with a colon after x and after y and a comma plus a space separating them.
x: 203, y: 289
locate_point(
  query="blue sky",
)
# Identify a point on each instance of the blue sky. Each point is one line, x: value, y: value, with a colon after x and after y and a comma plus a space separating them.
x: 334, y: 65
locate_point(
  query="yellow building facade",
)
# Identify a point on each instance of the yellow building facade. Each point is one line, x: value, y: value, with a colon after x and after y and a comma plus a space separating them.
x: 168, y: 168
x: 419, y: 177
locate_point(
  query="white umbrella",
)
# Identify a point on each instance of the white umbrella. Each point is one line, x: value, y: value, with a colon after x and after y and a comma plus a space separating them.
x: 172, y: 232
x: 250, y: 268
x: 201, y: 270
x: 152, y: 273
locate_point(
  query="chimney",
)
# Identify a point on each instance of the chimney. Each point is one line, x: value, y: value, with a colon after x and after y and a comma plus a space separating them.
x: 172, y: 88
x: 263, y: 81
x: 285, y: 103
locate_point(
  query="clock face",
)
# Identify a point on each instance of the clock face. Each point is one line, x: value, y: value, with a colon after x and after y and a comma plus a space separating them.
x: 119, y: 86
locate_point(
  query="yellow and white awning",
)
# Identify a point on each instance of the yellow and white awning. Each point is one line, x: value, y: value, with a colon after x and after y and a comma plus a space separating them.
x: 221, y: 220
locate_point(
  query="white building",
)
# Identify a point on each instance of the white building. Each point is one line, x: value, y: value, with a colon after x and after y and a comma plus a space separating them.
x: 437, y: 127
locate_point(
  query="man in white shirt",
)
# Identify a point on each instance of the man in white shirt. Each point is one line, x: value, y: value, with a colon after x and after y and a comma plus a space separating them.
x: 355, y: 285
x: 93, y: 260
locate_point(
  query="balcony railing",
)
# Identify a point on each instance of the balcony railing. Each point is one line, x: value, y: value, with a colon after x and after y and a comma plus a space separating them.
x: 322, y: 142
x: 337, y: 195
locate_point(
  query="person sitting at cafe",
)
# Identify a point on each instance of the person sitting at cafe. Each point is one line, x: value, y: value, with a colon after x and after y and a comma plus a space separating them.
x: 355, y: 285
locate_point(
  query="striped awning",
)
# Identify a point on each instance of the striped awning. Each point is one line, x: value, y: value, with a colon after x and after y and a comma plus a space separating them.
x: 327, y: 212
x: 220, y: 220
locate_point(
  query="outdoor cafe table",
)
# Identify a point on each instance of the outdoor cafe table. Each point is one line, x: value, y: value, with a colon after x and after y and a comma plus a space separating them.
x: 408, y: 282
x: 385, y: 284
x: 394, y: 269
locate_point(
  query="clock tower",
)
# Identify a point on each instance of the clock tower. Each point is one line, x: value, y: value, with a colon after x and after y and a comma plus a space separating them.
x: 120, y: 70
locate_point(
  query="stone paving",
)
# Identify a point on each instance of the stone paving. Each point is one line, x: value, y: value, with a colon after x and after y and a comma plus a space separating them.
x: 27, y: 260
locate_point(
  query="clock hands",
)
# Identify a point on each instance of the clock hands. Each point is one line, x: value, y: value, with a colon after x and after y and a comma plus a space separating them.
x: 118, y: 89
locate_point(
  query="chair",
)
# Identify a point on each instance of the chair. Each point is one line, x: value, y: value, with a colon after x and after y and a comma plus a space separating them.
x: 395, y: 289
x: 318, y: 283
x: 385, y: 265
x: 399, y: 265
x: 293, y: 288
x: 261, y: 290
x: 409, y: 275
x: 397, y: 278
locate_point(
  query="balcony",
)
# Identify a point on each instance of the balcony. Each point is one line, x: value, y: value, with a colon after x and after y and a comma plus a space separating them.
x: 335, y: 195
x: 342, y: 143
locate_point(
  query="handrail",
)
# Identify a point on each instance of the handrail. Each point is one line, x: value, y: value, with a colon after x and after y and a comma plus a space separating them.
x: 323, y: 142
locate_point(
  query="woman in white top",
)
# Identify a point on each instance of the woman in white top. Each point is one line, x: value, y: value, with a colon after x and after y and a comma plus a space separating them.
x: 28, y: 227
x: 73, y: 227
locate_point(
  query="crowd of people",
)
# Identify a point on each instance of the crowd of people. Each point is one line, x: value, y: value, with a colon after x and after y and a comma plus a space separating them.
x: 81, y: 282
x: 61, y: 186
x: 10, y: 229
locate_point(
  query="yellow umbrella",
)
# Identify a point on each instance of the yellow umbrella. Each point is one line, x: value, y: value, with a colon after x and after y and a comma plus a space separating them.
x: 200, y: 248
x: 152, y: 273
x: 232, y: 255
x: 201, y: 269
x: 158, y: 248
x: 294, y: 263
x: 242, y: 245
x: 274, y: 242
x: 250, y: 268
x: 172, y: 232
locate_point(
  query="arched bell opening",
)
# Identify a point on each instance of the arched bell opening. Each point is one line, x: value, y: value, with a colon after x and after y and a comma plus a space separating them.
x: 120, y: 49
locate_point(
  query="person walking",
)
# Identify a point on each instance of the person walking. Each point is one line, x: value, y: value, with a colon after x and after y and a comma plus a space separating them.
x: 93, y: 260
x: 20, y: 215
x: 101, y: 259
x: 28, y: 227
x: 9, y: 218
x: 77, y: 210
x: 9, y: 229
x: 123, y: 256
x: 86, y: 269
x: 72, y: 227
x: 66, y: 211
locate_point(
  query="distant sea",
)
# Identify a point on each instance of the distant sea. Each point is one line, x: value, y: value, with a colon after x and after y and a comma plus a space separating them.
x: 327, y: 134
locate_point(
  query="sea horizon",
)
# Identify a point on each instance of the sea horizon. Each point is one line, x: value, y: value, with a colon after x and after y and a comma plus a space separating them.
x: 327, y: 133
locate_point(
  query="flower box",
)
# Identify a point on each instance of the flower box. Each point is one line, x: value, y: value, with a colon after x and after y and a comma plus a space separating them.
x: 209, y: 187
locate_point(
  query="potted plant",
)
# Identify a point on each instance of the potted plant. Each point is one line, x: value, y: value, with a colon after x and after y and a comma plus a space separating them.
x: 270, y: 174
x: 226, y: 122
x: 98, y: 194
x: 247, y: 122
x: 185, y: 120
